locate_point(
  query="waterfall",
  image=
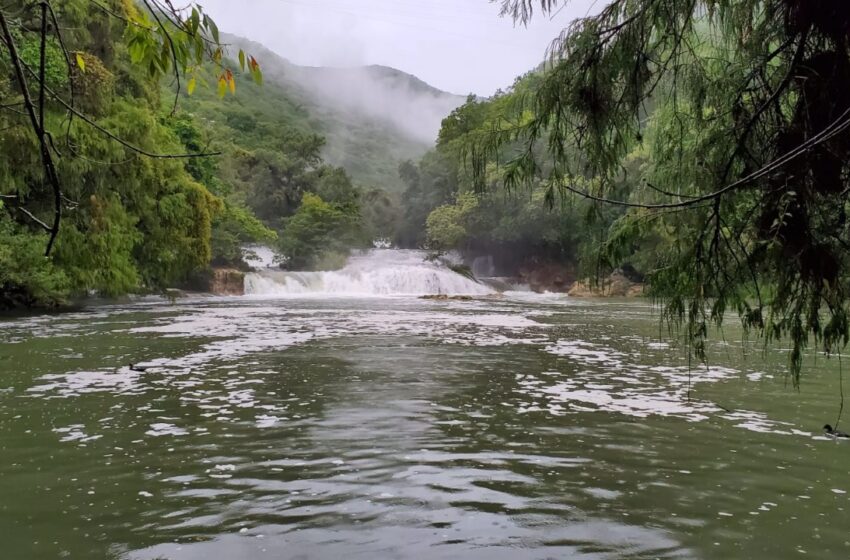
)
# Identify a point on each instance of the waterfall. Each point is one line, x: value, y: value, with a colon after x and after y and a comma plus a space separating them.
x: 379, y: 272
x: 483, y: 267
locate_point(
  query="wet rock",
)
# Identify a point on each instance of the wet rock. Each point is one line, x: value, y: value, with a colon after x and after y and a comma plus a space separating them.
x: 173, y: 294
x: 227, y: 282
x: 616, y: 285
x: 543, y: 276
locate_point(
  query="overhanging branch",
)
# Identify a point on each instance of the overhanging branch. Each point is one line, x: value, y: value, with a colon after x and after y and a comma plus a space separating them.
x: 35, y: 120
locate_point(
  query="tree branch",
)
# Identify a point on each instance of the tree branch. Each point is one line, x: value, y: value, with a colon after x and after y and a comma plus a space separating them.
x: 70, y: 66
x: 111, y: 135
x: 173, y: 51
x: 30, y: 215
x: 838, y: 126
x: 46, y: 157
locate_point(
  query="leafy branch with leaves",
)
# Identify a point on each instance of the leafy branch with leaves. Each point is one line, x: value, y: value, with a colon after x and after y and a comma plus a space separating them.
x: 742, y: 110
x: 160, y: 38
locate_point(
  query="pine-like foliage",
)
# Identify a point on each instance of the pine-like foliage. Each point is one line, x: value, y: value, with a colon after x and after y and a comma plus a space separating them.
x: 741, y: 109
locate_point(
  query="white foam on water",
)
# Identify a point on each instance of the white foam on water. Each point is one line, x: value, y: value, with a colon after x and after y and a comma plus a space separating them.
x: 75, y: 432
x: 165, y: 429
x: 596, y: 376
x: 612, y: 381
x: 379, y: 272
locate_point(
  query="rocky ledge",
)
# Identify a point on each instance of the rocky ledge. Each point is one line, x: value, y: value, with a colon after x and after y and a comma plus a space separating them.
x: 226, y: 282
x: 547, y: 276
x: 616, y: 285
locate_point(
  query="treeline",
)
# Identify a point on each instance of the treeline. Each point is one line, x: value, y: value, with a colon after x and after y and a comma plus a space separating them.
x: 717, y: 134
x: 519, y: 226
x: 133, y: 223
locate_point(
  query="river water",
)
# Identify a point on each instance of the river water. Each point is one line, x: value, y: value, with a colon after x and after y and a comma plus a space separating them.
x: 523, y: 426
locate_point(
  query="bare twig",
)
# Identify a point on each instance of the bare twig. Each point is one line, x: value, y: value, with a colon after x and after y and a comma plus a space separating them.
x: 30, y: 215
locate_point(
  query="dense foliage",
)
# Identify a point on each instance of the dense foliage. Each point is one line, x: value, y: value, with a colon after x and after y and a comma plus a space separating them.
x: 270, y: 165
x: 128, y: 222
x: 740, y: 111
x: 445, y: 211
x: 139, y: 211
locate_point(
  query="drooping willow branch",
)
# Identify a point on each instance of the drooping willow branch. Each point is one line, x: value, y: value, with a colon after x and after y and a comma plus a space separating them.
x: 839, y: 125
x: 751, y: 119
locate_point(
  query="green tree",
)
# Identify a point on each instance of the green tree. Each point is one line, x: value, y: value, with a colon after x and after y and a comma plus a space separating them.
x: 159, y: 39
x: 84, y: 145
x: 448, y: 225
x: 743, y: 109
x: 319, y: 235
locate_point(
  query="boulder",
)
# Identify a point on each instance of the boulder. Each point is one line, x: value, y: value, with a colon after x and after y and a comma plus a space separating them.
x: 616, y: 285
x: 547, y: 276
x: 227, y: 282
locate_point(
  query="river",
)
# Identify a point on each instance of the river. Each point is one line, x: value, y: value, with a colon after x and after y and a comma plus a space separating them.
x: 311, y: 421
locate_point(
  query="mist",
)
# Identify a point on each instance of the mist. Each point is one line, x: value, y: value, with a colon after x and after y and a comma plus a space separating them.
x: 375, y: 93
x: 460, y: 46
x: 411, y: 106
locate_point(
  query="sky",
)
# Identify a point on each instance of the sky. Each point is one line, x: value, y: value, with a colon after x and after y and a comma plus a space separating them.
x: 460, y: 46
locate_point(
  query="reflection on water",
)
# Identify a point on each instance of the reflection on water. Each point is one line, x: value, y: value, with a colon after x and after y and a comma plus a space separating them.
x: 522, y: 427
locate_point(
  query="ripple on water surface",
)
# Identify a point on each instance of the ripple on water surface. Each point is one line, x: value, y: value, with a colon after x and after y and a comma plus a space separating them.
x: 515, y: 428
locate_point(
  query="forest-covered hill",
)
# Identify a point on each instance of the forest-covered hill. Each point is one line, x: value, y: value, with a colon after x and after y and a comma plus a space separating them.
x: 372, y: 117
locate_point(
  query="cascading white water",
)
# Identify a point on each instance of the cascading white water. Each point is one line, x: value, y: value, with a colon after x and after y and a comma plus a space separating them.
x: 380, y: 272
x: 484, y: 267
x: 259, y: 257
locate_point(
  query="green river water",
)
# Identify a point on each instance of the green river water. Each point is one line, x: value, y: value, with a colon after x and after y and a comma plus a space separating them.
x: 526, y: 427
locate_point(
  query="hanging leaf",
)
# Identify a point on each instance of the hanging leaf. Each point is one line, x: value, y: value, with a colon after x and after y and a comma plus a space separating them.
x: 213, y: 30
x: 81, y: 62
x: 256, y: 73
x: 190, y: 87
x: 222, y: 86
x: 136, y: 48
x: 231, y: 81
x: 195, y: 21
x: 242, y: 59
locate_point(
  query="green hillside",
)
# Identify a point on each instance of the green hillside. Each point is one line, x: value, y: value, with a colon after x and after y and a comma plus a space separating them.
x: 372, y: 117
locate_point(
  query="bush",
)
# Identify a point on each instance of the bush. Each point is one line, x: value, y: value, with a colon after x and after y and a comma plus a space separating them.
x: 317, y: 230
x: 27, y: 277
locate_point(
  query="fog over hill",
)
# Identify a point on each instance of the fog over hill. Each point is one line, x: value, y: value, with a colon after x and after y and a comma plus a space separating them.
x: 373, y: 117
x: 383, y: 93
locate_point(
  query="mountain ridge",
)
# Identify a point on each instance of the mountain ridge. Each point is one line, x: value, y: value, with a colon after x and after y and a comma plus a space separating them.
x: 373, y: 117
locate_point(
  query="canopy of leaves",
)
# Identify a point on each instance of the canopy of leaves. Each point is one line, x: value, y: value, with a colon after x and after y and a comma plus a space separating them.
x: 140, y: 211
x: 319, y: 235
x: 130, y: 222
x: 741, y: 110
